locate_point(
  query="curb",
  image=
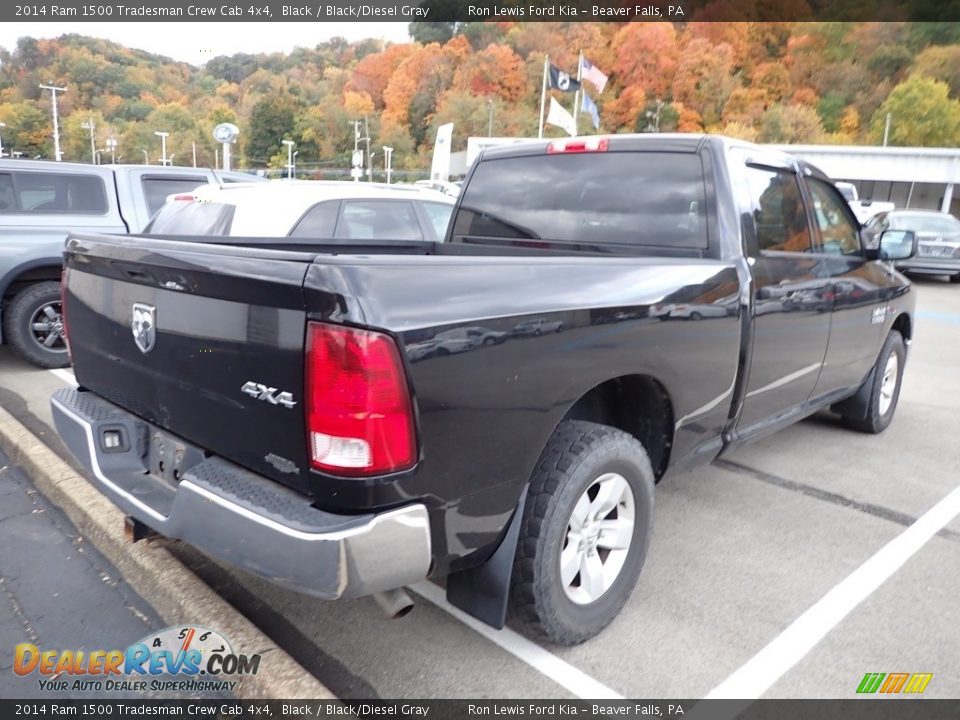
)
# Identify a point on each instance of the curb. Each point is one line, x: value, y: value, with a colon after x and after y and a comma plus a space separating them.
x: 176, y: 594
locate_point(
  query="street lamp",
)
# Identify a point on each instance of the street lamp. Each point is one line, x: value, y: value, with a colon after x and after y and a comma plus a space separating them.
x: 295, y: 153
x: 289, y: 144
x: 57, y: 155
x: 146, y: 156
x: 2, y: 125
x: 89, y: 125
x: 490, y: 120
x: 112, y: 147
x: 388, y: 161
x: 170, y: 159
x: 163, y: 142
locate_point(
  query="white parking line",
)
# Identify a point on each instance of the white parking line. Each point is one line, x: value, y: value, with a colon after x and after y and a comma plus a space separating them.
x: 559, y: 671
x: 759, y: 673
x: 546, y: 663
x: 65, y: 375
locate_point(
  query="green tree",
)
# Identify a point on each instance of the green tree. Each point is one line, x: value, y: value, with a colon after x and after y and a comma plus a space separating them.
x: 28, y: 130
x: 271, y: 122
x: 940, y: 62
x: 428, y: 32
x: 922, y: 114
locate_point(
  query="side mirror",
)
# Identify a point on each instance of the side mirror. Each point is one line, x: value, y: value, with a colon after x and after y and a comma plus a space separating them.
x: 897, y: 245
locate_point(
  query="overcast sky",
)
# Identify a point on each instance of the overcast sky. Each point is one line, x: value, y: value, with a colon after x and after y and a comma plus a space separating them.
x: 197, y: 42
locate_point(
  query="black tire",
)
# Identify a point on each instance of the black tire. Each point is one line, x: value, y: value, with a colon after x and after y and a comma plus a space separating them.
x: 877, y: 421
x: 696, y: 316
x: 23, y: 312
x: 955, y: 279
x: 576, y: 456
x: 489, y: 341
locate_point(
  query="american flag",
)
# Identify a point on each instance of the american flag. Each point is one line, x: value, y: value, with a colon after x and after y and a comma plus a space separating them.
x: 591, y: 73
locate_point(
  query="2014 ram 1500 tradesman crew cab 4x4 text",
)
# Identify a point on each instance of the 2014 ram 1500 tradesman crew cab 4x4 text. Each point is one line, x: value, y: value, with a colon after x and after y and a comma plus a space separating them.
x: 297, y: 407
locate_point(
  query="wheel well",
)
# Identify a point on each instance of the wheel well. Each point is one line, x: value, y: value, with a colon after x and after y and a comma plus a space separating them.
x: 31, y: 276
x: 636, y: 404
x: 903, y: 325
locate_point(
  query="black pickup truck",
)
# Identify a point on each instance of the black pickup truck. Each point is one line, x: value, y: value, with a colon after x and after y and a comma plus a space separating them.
x: 494, y: 409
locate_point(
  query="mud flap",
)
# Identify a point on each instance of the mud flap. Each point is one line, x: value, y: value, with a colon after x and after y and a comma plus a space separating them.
x: 857, y: 406
x: 484, y: 592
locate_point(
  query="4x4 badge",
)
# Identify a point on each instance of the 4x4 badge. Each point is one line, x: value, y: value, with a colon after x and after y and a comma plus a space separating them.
x: 144, y: 326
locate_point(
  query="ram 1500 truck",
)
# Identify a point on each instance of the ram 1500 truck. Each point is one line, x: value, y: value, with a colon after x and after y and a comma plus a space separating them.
x: 40, y: 203
x: 297, y: 408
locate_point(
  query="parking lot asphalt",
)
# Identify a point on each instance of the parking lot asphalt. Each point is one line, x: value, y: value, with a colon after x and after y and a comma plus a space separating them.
x: 741, y: 551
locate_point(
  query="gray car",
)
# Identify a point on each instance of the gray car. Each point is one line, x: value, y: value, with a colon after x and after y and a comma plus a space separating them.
x: 40, y: 203
x: 938, y: 240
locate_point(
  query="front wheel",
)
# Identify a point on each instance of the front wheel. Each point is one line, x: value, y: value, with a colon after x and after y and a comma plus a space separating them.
x: 955, y: 279
x: 33, y: 326
x: 885, y: 388
x: 585, y: 532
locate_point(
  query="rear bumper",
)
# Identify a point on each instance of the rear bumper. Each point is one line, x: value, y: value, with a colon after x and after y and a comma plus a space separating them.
x: 237, y: 516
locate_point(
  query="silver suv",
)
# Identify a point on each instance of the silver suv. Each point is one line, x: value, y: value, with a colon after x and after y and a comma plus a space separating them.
x: 42, y: 201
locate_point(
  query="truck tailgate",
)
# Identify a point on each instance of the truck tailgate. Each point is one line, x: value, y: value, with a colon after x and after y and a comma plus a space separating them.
x: 205, y: 341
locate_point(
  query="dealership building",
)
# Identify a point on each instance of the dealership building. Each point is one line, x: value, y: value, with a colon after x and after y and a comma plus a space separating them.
x: 926, y: 178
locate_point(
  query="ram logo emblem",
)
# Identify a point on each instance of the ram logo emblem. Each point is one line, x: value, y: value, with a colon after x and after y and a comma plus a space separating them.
x: 144, y: 326
x: 268, y: 394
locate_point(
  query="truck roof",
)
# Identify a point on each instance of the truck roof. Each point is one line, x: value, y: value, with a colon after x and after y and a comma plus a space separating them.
x: 639, y: 142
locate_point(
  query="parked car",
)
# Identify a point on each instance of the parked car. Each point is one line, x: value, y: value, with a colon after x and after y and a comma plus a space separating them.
x: 536, y: 326
x: 40, y: 202
x: 863, y: 209
x: 447, y: 188
x: 263, y: 405
x: 344, y: 212
x: 938, y: 240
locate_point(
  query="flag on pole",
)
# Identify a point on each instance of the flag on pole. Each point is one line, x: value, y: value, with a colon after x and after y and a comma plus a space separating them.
x: 559, y: 116
x: 591, y: 73
x: 559, y: 80
x: 590, y: 107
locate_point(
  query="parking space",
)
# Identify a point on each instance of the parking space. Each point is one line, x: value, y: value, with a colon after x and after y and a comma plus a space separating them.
x: 741, y: 549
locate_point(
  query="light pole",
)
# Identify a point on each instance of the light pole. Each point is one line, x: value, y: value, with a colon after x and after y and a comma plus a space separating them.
x: 289, y: 144
x: 163, y: 143
x: 295, y: 153
x: 146, y: 156
x: 2, y: 125
x: 170, y: 159
x: 112, y: 147
x: 57, y: 155
x: 96, y: 156
x: 89, y: 125
x: 387, y: 160
x: 490, y: 119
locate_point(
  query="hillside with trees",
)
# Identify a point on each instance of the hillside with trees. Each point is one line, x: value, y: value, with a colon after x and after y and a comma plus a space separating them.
x: 768, y: 82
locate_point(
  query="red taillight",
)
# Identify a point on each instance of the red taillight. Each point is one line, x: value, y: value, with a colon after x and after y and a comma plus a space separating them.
x: 64, y: 276
x: 578, y: 145
x: 359, y: 413
x: 183, y: 198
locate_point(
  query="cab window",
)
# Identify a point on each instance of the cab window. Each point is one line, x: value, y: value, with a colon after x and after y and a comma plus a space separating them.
x: 837, y: 232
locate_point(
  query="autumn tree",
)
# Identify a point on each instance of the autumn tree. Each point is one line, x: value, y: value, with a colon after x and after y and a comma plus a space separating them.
x: 922, y: 114
x: 271, y: 122
x: 704, y: 78
x: 790, y: 124
x: 940, y: 62
x: 647, y: 56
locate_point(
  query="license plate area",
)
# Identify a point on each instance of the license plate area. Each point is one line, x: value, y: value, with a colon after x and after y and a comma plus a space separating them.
x: 169, y: 457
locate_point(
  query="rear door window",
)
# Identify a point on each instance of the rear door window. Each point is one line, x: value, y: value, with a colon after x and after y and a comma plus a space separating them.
x: 157, y: 188
x: 319, y: 221
x: 52, y: 193
x: 836, y: 228
x: 439, y: 214
x: 378, y: 220
x: 652, y: 199
x: 191, y: 218
x: 779, y: 215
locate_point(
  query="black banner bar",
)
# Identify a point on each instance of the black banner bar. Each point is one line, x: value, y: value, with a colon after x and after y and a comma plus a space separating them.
x: 873, y: 708
x: 55, y: 11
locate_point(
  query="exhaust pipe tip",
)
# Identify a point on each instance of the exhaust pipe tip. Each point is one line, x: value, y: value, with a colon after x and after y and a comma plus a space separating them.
x: 395, y: 603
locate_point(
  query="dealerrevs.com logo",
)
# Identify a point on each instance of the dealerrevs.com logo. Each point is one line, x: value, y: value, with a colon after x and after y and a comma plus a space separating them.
x: 184, y: 659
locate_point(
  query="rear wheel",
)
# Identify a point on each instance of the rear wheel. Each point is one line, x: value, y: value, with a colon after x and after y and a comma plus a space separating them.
x: 885, y: 389
x: 585, y: 532
x: 33, y: 326
x: 955, y: 278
